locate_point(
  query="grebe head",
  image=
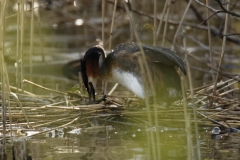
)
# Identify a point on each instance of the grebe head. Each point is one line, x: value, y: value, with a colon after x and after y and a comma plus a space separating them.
x: 90, y: 66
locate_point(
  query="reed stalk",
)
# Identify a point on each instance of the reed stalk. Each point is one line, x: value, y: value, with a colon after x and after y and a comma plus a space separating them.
x: 3, y: 78
x: 223, y: 48
x: 64, y: 125
x: 144, y: 67
x: 186, y: 115
x: 187, y: 122
x: 110, y: 46
x: 45, y: 88
x: 209, y: 40
x: 103, y: 23
x: 180, y: 24
x: 41, y: 42
x: 8, y: 92
x: 166, y: 22
x: 18, y: 46
x: 112, y: 24
x: 20, y: 105
x: 189, y: 75
x: 31, y: 41
x: 22, y: 2
x: 161, y: 19
x: 154, y: 22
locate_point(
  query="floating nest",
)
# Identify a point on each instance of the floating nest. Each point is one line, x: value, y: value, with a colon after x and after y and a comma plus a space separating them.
x: 28, y: 114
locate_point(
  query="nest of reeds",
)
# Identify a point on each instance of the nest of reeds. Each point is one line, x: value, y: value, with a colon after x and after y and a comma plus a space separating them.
x: 28, y: 114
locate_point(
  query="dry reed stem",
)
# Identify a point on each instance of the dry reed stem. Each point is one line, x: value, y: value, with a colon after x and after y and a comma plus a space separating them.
x: 226, y: 86
x: 166, y: 22
x: 4, y: 78
x: 180, y: 24
x: 87, y: 107
x: 189, y: 75
x: 229, y: 91
x: 219, y: 123
x: 155, y: 26
x: 220, y: 98
x: 219, y: 84
x: 113, y: 89
x: 111, y: 29
x: 209, y: 40
x: 223, y: 48
x: 186, y: 118
x: 20, y: 105
x: 45, y: 88
x: 144, y: 64
x: 121, y: 96
x: 31, y: 40
x: 161, y: 19
x: 210, y: 88
x: 57, y: 103
x: 212, y: 115
x: 17, y: 89
x: 20, y: 59
x: 110, y: 45
x: 54, y: 121
x: 16, y: 14
x: 17, y: 46
x: 64, y: 125
x: 103, y: 22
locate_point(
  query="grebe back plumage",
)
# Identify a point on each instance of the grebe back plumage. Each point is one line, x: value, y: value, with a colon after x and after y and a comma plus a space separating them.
x: 122, y: 66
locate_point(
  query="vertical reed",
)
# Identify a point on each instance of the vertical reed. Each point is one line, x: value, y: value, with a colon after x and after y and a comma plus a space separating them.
x: 166, y: 22
x: 187, y: 121
x: 189, y: 76
x: 103, y: 23
x: 209, y: 40
x: 186, y: 115
x: 111, y: 29
x: 223, y: 48
x: 110, y: 45
x: 31, y: 39
x: 145, y: 71
x: 104, y: 84
x: 180, y: 24
x: 155, y: 22
x: 18, y: 46
x: 2, y: 63
x: 21, y: 41
x: 162, y: 19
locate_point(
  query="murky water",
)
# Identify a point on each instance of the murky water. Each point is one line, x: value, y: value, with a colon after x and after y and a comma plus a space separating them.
x: 119, y: 137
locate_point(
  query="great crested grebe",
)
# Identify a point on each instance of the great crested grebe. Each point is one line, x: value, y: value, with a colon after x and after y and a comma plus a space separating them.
x: 123, y: 65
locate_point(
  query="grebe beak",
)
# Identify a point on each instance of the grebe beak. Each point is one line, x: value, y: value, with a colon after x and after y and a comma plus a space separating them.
x: 92, y: 83
x: 91, y: 93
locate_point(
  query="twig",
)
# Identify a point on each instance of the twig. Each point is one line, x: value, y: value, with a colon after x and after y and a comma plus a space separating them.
x: 180, y: 24
x: 216, y: 122
x: 161, y: 20
x: 227, y: 10
x: 19, y: 103
x: 166, y: 22
x: 212, y: 115
x: 223, y: 51
x: 48, y: 123
x: 113, y: 89
x: 206, y: 5
x: 75, y: 119
x: 48, y: 89
x: 216, y: 97
x: 18, y: 89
